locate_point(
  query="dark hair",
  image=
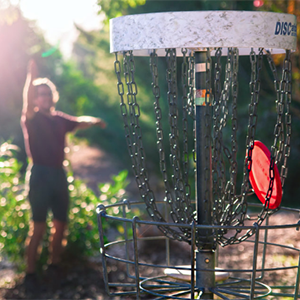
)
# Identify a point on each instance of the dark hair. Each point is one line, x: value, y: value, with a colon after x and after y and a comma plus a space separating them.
x: 47, y: 82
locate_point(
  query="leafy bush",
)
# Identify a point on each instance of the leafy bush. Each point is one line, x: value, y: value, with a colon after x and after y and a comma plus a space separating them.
x: 83, y: 228
x: 14, y: 207
x: 82, y: 238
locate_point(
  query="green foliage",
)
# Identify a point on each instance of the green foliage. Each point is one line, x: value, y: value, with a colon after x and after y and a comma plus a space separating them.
x: 113, y: 8
x: 82, y: 238
x: 91, y: 53
x: 117, y: 8
x: 14, y: 217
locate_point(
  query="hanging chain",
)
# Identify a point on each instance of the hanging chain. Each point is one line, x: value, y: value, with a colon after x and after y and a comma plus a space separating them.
x: 278, y: 144
x: 134, y: 139
x: 286, y: 94
x: 231, y: 84
x: 223, y: 112
x: 173, y: 136
x: 225, y: 203
x: 182, y: 208
x: 218, y: 168
x: 185, y: 150
x: 159, y: 130
x: 281, y: 146
x: 177, y: 216
x: 191, y: 77
x: 159, y: 133
x: 265, y: 210
x: 234, y: 123
x: 237, y: 207
x: 256, y: 66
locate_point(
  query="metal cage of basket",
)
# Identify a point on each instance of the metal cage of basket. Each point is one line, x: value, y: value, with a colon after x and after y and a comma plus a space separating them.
x: 219, y: 214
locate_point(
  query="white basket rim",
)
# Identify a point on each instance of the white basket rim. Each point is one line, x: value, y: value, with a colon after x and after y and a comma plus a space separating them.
x: 199, y: 30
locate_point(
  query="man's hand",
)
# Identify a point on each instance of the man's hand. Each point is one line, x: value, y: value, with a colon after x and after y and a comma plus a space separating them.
x: 101, y: 124
x: 87, y: 121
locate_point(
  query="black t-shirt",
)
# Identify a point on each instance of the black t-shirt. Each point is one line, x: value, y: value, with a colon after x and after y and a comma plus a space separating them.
x: 44, y: 137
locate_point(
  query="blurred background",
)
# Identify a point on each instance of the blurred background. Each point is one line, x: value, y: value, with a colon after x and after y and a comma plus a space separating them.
x: 70, y: 42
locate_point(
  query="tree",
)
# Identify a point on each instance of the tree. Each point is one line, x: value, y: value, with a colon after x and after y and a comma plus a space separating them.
x: 113, y: 8
x: 117, y: 8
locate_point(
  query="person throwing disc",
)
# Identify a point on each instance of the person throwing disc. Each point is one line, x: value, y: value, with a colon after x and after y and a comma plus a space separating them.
x: 44, y: 131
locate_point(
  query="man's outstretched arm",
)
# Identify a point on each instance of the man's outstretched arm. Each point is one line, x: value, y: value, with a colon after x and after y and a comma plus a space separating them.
x: 28, y: 91
x: 87, y: 122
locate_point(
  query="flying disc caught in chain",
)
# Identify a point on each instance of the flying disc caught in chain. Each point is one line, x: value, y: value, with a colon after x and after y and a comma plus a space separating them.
x: 259, y: 175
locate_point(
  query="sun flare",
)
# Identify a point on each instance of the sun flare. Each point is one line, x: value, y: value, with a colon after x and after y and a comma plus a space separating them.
x: 56, y: 18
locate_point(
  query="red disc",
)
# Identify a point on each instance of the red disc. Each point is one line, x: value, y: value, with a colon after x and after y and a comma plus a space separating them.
x: 259, y: 175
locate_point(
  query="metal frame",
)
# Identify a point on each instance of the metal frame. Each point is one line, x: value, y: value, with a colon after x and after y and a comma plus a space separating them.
x: 247, y: 283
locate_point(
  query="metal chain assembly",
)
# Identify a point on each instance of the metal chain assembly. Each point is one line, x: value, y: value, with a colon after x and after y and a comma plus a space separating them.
x: 280, y: 150
x: 238, y: 205
x: 229, y: 208
x: 225, y: 201
x: 180, y: 207
x: 131, y: 112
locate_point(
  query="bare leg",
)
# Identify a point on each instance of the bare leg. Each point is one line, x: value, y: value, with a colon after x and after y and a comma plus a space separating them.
x: 57, y: 241
x: 35, y: 237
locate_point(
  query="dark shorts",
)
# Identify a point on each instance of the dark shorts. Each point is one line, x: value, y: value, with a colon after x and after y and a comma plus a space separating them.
x: 48, y: 190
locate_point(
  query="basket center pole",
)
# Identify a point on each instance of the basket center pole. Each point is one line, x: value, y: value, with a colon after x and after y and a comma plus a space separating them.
x: 205, y: 255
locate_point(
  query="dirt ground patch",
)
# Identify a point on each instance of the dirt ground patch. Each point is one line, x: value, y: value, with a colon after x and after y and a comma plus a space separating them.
x: 92, y: 164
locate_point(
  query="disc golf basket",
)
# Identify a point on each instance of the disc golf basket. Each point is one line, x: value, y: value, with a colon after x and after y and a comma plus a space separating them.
x: 206, y: 46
